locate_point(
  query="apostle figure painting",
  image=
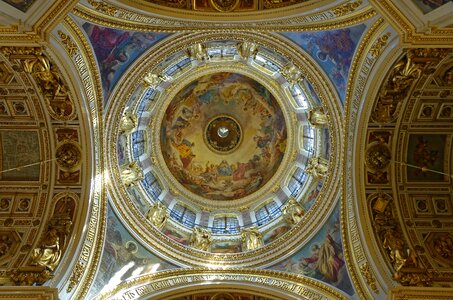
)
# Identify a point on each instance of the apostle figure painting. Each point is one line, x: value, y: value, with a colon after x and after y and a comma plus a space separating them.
x: 322, y: 257
x: 116, y: 49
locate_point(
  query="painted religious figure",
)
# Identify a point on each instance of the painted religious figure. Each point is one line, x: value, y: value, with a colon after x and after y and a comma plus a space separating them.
x: 251, y: 139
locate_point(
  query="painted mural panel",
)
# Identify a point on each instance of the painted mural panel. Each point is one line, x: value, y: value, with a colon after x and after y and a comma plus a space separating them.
x: 22, y: 5
x: 426, y: 151
x: 427, y: 6
x: 251, y: 149
x: 20, y: 149
x: 123, y: 257
x: 226, y: 247
x: 116, y: 49
x: 322, y: 257
x: 333, y: 50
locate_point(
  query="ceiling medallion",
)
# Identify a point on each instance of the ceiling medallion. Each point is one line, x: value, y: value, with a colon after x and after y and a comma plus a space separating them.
x: 224, y: 5
x: 218, y: 156
x: 223, y: 134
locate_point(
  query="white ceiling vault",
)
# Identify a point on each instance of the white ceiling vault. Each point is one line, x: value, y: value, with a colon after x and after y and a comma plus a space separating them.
x: 240, y: 149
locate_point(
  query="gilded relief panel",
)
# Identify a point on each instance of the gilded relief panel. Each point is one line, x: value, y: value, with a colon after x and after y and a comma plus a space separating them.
x: 412, y: 219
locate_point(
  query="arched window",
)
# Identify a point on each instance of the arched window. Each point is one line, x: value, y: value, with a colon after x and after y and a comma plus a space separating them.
x: 138, y: 143
x: 151, y: 185
x: 267, y: 212
x: 183, y: 215
x: 225, y: 224
x: 296, y: 182
x: 308, y: 138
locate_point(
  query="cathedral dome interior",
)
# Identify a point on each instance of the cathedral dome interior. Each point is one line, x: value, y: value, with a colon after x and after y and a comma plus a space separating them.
x: 226, y: 149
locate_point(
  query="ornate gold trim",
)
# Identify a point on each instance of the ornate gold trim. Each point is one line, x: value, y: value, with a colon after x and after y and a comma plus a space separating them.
x: 284, y: 284
x: 131, y: 20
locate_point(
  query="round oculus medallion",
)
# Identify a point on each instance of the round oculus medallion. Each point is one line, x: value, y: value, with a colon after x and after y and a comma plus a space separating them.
x: 223, y: 136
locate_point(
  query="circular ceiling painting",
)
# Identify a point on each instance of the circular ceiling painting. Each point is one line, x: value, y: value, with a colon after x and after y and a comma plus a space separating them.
x: 223, y: 136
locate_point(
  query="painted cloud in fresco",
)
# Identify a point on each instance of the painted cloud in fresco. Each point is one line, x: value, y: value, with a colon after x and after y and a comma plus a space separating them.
x: 116, y: 49
x: 123, y: 257
x: 333, y: 50
x: 322, y: 257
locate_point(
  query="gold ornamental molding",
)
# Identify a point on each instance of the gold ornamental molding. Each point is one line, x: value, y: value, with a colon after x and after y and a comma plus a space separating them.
x: 102, y: 13
x: 277, y: 285
x: 419, y: 293
x: 84, y: 267
x: 39, y: 33
x: 368, y: 52
x: 410, y: 37
x: 28, y: 292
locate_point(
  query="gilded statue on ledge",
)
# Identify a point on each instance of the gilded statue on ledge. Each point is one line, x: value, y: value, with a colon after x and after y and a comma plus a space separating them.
x: 317, y: 167
x: 200, y: 239
x: 292, y: 74
x: 49, y: 253
x: 128, y: 122
x: 251, y: 238
x: 151, y: 79
x: 293, y: 212
x: 247, y: 49
x: 158, y: 215
x: 131, y: 173
x: 198, y: 52
x: 317, y: 117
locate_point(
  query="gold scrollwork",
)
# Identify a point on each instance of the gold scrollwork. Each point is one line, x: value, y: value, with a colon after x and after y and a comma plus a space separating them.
x: 71, y: 47
x: 369, y: 277
x: 379, y: 45
x: 103, y: 7
x: 346, y: 8
x: 75, y: 277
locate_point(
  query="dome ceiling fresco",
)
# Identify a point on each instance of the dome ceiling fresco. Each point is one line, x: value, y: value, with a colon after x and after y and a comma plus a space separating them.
x: 223, y: 136
x: 204, y: 147
x: 233, y: 149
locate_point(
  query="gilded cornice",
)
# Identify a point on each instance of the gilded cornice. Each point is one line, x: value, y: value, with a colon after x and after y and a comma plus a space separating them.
x: 13, y: 35
x: 294, y: 286
x: 118, y: 17
x: 440, y: 37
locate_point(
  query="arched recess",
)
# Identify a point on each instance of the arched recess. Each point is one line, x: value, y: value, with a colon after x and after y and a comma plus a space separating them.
x: 183, y: 282
x: 361, y: 251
